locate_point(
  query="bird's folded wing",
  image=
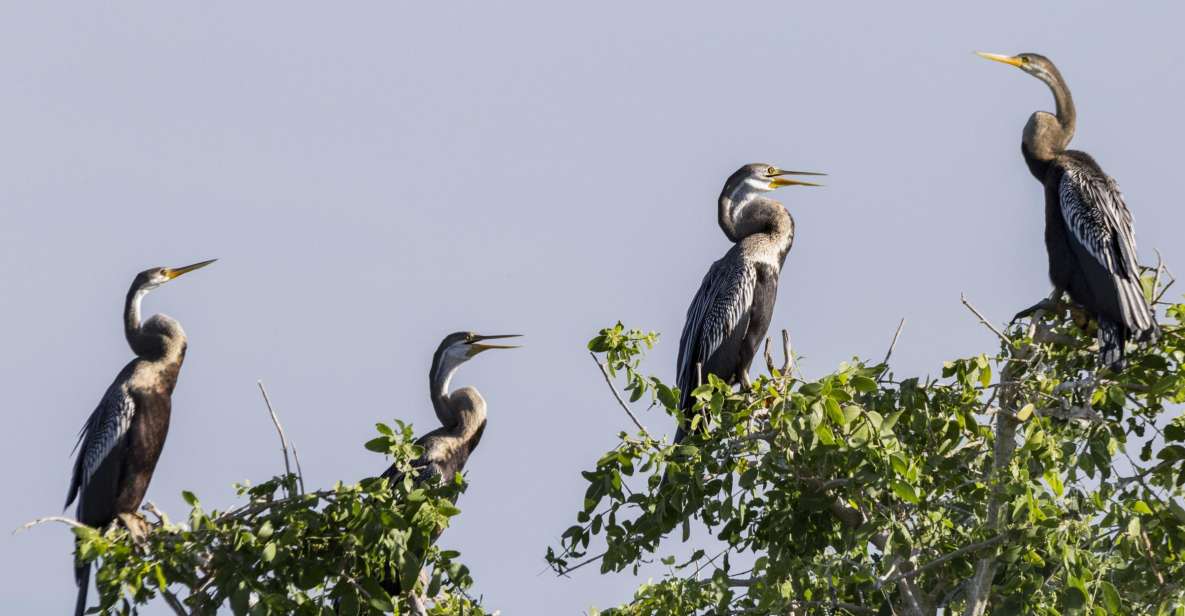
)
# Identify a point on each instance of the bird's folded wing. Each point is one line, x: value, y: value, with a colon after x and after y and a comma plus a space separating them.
x: 1100, y: 222
x: 719, y: 306
x: 102, y: 437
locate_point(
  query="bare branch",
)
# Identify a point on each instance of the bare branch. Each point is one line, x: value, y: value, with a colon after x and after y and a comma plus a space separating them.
x: 587, y: 561
x: 983, y: 319
x: 893, y: 344
x: 53, y: 518
x: 967, y: 549
x: 174, y: 602
x: 979, y: 587
x: 283, y: 437
x: 624, y: 406
x: 769, y: 358
x: 787, y: 354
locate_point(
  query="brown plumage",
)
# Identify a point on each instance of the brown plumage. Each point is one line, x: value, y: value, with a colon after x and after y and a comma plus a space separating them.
x: 122, y: 440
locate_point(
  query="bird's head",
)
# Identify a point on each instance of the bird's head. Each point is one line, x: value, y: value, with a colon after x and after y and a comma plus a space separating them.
x: 152, y: 278
x: 1034, y: 64
x: 762, y: 177
x: 746, y: 184
x: 460, y: 347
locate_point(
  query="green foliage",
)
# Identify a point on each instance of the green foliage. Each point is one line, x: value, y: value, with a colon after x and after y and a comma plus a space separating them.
x: 283, y: 552
x: 868, y: 494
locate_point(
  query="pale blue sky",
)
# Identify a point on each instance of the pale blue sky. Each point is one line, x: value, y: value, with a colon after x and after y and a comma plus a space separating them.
x: 377, y: 175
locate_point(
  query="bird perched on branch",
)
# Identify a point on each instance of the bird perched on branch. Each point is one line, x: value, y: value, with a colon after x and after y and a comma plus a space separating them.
x: 1088, y: 228
x: 731, y: 311
x: 122, y: 441
x: 462, y: 415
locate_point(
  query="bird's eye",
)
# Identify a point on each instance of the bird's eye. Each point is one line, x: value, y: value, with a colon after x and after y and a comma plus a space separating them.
x: 771, y: 172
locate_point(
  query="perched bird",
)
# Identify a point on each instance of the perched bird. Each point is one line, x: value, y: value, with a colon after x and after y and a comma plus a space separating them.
x: 731, y: 311
x: 121, y: 442
x: 1088, y: 228
x: 462, y: 415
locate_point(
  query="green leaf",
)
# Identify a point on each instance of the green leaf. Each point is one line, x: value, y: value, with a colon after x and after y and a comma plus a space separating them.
x: 863, y: 384
x: 379, y: 444
x: 905, y: 492
x: 159, y: 572
x: 269, y: 551
x: 834, y: 412
x: 1141, y: 507
x: 376, y: 596
x: 1111, y: 598
x: 190, y: 498
x: 1054, y: 479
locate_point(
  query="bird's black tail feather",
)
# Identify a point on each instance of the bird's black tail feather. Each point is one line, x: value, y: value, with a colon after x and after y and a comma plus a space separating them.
x: 82, y: 576
x: 1112, y: 340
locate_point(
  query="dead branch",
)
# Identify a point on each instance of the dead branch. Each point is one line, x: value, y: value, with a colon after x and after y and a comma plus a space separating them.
x: 984, y: 321
x: 612, y: 388
x: 284, y: 442
x: 53, y: 518
x: 893, y: 344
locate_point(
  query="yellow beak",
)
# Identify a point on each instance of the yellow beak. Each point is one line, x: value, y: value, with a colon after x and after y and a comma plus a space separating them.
x: 779, y: 180
x: 477, y: 347
x: 995, y: 57
x: 174, y: 272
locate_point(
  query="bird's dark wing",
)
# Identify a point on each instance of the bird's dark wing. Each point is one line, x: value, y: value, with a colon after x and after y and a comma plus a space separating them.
x: 719, y: 307
x: 1100, y: 223
x: 100, y: 448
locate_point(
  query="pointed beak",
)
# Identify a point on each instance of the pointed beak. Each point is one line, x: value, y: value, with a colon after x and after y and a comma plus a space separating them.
x: 779, y: 180
x: 996, y: 57
x: 174, y: 272
x: 477, y: 346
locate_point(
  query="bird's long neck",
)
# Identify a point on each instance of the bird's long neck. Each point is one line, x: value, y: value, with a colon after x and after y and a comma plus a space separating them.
x: 1067, y: 116
x: 131, y: 321
x: 1046, y: 136
x: 438, y: 384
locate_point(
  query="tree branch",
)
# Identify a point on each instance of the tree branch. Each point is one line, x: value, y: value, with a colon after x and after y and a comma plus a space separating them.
x: 984, y: 321
x: 53, y: 518
x: 967, y: 549
x: 893, y: 344
x: 612, y: 388
x: 284, y: 442
x: 979, y: 588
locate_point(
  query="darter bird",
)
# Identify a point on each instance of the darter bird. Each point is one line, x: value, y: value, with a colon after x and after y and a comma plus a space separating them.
x: 121, y: 442
x: 1088, y: 228
x: 731, y: 311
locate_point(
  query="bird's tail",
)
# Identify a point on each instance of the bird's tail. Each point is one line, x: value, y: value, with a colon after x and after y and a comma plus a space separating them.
x: 82, y: 576
x: 1112, y: 340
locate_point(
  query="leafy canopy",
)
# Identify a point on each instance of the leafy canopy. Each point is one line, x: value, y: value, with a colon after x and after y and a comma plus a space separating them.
x: 287, y: 552
x: 1023, y: 481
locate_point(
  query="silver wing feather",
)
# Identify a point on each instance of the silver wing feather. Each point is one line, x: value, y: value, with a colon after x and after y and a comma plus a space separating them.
x: 103, y: 433
x: 724, y: 296
x: 1099, y: 220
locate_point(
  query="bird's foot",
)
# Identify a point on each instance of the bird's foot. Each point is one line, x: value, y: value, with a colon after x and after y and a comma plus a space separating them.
x: 746, y: 382
x: 1047, y: 304
x: 136, y: 524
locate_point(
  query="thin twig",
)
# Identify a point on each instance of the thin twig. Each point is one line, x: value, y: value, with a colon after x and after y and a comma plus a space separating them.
x: 174, y: 602
x: 53, y: 518
x: 967, y: 549
x: 787, y: 355
x: 983, y: 319
x: 590, y: 560
x: 612, y: 388
x: 893, y: 344
x: 283, y: 437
